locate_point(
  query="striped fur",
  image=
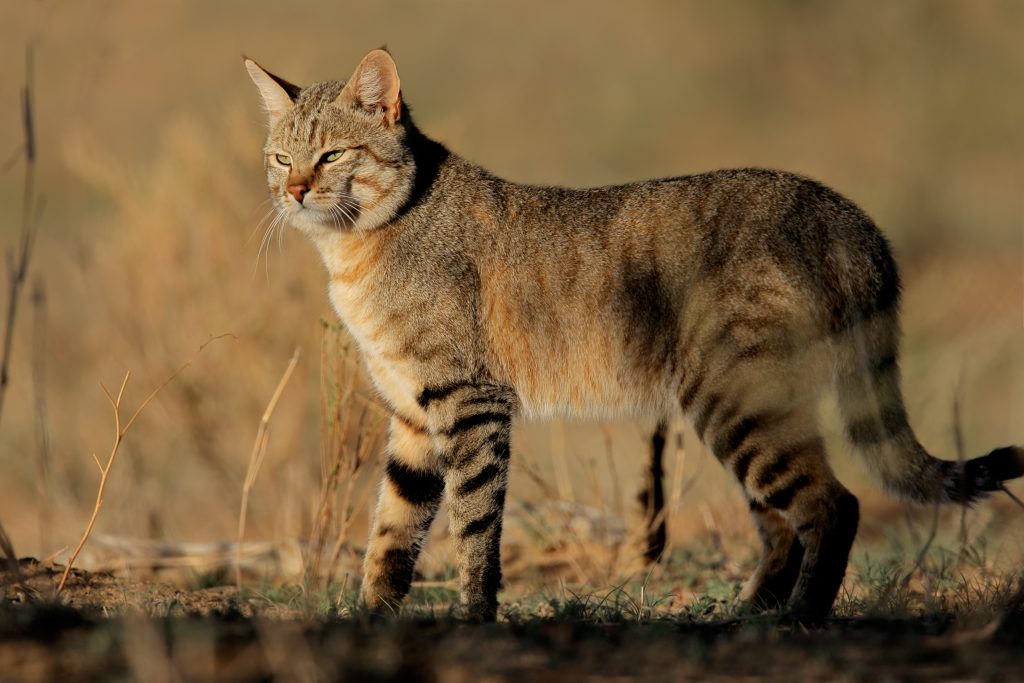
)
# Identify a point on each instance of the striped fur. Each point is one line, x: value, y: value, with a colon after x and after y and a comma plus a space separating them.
x: 735, y: 297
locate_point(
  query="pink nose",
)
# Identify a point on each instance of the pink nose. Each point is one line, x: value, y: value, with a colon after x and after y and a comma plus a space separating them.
x: 298, y: 191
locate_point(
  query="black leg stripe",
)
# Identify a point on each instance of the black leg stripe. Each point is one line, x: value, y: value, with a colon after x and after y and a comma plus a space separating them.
x: 466, y: 423
x: 706, y: 412
x: 783, y: 459
x: 781, y: 499
x: 728, y: 441
x: 417, y: 487
x: 658, y: 441
x: 742, y: 464
x: 485, y: 400
x: 479, y: 480
x: 690, y: 393
x: 431, y: 394
x: 481, y: 524
x: 498, y: 443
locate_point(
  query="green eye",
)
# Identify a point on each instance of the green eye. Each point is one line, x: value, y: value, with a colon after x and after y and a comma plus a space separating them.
x: 284, y: 160
x: 332, y: 156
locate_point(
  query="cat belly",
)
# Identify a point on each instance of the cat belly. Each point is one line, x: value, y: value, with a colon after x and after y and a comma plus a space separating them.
x: 587, y: 378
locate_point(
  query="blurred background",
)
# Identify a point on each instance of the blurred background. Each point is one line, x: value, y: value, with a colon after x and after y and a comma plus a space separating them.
x: 149, y: 164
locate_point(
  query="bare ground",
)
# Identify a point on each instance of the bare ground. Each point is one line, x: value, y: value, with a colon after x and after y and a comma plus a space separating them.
x: 105, y: 628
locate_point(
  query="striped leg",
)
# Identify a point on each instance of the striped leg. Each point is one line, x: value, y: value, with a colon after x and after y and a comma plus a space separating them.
x: 652, y: 498
x: 473, y: 425
x: 779, y: 458
x: 826, y: 524
x: 409, y: 496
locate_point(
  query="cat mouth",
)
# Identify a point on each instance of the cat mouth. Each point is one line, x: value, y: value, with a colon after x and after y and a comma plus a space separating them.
x: 336, y: 217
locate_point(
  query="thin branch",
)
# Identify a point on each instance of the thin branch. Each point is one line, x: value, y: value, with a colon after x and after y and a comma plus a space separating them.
x: 259, y: 449
x: 18, y: 266
x: 1008, y: 492
x: 118, y: 439
x: 44, y: 483
x: 7, y: 548
x: 923, y: 552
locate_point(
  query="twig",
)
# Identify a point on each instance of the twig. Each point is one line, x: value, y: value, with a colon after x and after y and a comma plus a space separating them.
x: 919, y: 560
x: 259, y: 449
x: 119, y: 433
x: 17, y: 266
x: 340, y: 460
x: 42, y: 428
x: 7, y: 548
x: 1008, y: 492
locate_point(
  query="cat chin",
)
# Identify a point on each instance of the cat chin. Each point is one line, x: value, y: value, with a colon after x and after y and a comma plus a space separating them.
x: 313, y: 221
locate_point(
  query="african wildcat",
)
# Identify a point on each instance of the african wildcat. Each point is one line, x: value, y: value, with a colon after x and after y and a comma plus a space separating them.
x: 734, y: 296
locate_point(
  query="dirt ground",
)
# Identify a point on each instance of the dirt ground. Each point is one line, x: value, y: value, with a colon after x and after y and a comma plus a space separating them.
x: 105, y: 628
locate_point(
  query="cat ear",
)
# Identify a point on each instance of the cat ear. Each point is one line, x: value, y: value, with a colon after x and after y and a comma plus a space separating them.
x: 278, y: 94
x: 375, y: 87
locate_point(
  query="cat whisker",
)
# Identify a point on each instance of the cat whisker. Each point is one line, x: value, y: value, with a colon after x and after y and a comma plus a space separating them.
x: 270, y: 212
x: 279, y: 220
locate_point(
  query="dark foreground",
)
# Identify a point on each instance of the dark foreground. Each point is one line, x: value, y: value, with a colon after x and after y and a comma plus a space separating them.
x: 59, y: 643
x: 205, y: 636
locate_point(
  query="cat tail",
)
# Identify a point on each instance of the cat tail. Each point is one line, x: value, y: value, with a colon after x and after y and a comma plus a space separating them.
x: 871, y: 404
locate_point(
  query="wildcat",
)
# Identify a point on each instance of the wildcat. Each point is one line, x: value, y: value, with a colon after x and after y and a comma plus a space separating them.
x: 733, y: 296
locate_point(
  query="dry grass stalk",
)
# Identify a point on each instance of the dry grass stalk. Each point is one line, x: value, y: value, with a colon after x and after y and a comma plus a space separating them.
x: 579, y: 558
x: 366, y: 447
x: 345, y: 448
x: 259, y: 449
x: 7, y: 548
x: 44, y: 481
x: 613, y: 473
x: 17, y: 264
x: 119, y: 434
x: 958, y: 442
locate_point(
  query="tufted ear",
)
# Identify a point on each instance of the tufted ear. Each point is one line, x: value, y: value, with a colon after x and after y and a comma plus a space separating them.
x: 375, y: 87
x: 278, y: 94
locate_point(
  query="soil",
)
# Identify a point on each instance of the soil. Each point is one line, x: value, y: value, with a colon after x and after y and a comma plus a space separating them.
x: 105, y: 628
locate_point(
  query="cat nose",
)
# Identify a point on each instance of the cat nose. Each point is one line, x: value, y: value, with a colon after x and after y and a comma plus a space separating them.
x: 298, y: 191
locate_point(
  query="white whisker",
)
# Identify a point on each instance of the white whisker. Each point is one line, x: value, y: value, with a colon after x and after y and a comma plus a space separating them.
x: 270, y: 212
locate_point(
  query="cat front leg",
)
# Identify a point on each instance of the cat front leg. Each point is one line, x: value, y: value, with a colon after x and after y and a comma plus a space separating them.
x: 472, y: 425
x: 410, y: 492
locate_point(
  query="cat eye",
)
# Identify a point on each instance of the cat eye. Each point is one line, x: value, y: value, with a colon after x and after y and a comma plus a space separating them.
x: 284, y: 159
x: 332, y: 156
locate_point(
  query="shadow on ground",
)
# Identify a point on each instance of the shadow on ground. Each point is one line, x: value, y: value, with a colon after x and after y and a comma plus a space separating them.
x: 88, y: 635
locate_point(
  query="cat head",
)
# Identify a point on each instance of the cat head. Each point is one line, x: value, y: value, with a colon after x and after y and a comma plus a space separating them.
x: 336, y: 154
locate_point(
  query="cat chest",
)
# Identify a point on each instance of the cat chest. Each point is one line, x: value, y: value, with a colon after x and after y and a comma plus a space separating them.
x: 367, y: 320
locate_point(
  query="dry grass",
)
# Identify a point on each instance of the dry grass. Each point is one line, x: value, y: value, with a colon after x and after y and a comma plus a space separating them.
x: 259, y: 451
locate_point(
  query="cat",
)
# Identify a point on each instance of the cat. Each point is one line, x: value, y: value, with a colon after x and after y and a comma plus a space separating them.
x: 734, y: 297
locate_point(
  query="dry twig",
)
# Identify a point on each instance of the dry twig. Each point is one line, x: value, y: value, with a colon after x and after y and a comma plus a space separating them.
x: 340, y: 459
x: 17, y: 263
x: 119, y: 432
x: 7, y: 548
x: 43, y: 473
x: 259, y: 449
